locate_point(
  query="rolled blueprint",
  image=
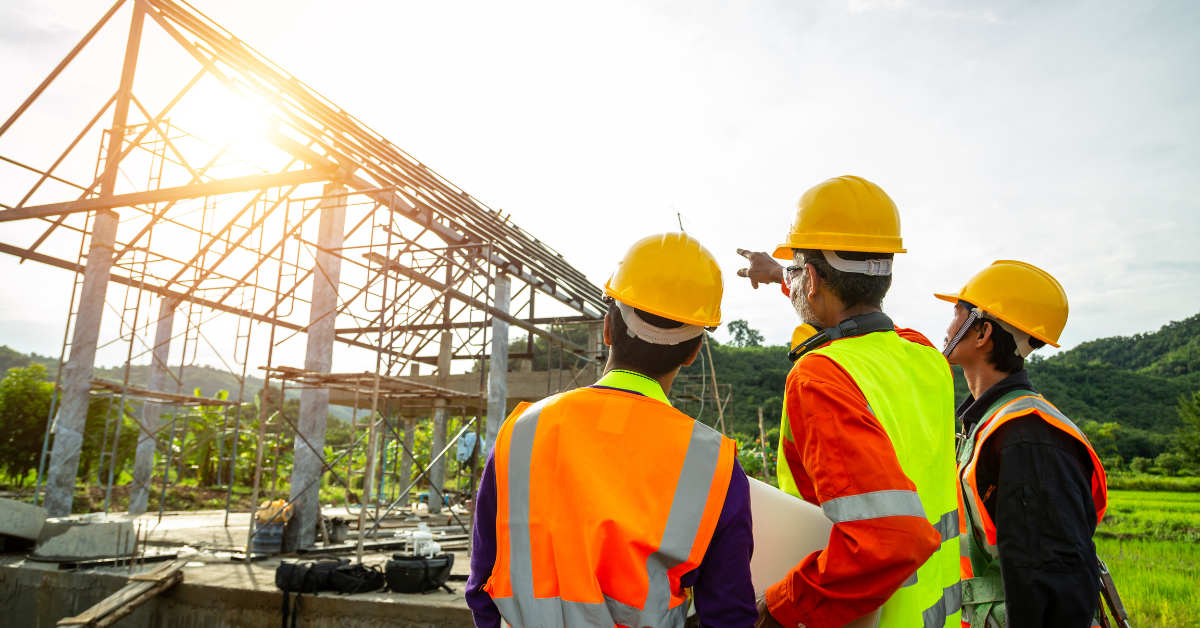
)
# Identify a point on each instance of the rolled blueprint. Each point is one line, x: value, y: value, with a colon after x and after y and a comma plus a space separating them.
x: 787, y: 529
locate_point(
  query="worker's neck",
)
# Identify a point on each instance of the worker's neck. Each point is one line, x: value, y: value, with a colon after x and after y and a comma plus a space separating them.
x: 981, y: 376
x: 835, y: 312
x: 664, y: 381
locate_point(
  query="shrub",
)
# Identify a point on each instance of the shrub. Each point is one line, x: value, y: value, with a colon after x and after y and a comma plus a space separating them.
x: 1140, y: 465
x: 1170, y: 463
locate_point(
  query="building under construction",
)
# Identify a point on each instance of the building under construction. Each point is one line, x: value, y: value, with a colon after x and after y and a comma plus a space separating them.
x: 216, y: 208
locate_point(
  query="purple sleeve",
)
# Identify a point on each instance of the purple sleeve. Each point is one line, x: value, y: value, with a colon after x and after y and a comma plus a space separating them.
x: 723, y: 591
x: 483, y: 551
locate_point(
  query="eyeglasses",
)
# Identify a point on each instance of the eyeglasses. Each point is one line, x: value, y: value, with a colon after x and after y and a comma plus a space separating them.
x: 796, y: 267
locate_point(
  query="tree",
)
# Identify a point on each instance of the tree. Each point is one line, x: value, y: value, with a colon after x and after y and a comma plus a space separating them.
x: 24, y: 405
x: 1102, y: 436
x: 1187, y: 443
x: 1169, y: 463
x: 742, y: 336
x: 1140, y: 465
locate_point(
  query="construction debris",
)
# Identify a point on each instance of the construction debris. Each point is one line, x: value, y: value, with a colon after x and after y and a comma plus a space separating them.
x: 141, y: 588
x: 21, y: 520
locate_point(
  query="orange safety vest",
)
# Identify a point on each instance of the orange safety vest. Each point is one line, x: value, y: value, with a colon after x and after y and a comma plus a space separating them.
x: 604, y: 500
x: 978, y: 554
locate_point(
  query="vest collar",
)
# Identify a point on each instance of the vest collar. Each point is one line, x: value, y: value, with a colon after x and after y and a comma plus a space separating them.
x: 633, y: 382
x: 971, y: 410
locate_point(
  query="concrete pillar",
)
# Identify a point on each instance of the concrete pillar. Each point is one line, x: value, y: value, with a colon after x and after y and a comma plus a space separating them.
x: 497, y: 407
x: 441, y: 415
x: 595, y: 344
x: 314, y: 402
x: 143, y: 462
x: 406, y: 461
x: 77, y: 375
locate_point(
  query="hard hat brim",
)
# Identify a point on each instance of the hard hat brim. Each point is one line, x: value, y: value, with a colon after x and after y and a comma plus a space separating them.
x: 955, y: 298
x: 784, y: 251
x: 645, y: 308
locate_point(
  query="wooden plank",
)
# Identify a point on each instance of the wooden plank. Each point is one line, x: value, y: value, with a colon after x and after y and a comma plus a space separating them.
x: 140, y: 589
x: 132, y: 605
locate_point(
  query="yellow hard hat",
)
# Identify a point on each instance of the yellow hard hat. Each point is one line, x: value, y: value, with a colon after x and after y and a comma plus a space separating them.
x: 1019, y: 294
x: 671, y: 275
x: 844, y: 214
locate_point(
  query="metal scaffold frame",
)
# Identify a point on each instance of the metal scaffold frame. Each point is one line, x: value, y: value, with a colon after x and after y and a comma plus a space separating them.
x: 312, y: 228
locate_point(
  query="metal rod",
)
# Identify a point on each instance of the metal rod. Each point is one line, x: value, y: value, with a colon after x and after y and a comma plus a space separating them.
x: 60, y: 67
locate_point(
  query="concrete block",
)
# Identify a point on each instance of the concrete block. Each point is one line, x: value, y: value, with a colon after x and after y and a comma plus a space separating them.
x: 20, y: 519
x: 85, y: 538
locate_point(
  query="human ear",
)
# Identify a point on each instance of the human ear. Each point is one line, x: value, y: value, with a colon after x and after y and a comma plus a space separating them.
x: 814, y: 280
x: 692, y: 356
x: 985, y: 334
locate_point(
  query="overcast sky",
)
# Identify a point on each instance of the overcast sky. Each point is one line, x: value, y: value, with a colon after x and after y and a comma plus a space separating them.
x: 1065, y: 134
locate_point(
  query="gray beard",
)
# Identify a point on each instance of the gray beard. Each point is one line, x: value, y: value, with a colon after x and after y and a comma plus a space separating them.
x: 804, y: 310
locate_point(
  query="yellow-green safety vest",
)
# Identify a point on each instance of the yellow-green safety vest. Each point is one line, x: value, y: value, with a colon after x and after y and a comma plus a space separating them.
x: 910, y: 391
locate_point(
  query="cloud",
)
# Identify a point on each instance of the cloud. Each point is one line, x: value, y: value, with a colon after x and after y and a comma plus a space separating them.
x: 863, y: 6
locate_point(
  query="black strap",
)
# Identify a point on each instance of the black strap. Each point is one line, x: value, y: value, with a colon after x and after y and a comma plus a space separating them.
x: 284, y: 609
x: 853, y: 326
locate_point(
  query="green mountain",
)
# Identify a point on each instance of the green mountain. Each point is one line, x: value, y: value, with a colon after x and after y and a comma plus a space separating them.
x: 1135, y: 381
x: 1172, y: 352
x: 209, y: 380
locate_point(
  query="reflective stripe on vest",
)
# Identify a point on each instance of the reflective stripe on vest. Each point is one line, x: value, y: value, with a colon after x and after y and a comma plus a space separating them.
x: 983, y: 592
x: 1019, y: 407
x: 553, y: 510
x: 910, y: 391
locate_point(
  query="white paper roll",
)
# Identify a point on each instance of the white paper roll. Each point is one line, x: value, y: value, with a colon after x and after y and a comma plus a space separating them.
x: 787, y: 529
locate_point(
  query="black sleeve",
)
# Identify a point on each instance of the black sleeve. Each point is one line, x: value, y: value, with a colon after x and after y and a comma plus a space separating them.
x: 1045, y: 519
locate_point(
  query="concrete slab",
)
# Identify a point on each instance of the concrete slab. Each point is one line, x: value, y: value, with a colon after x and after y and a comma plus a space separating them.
x: 85, y: 538
x: 21, y: 520
x: 215, y: 594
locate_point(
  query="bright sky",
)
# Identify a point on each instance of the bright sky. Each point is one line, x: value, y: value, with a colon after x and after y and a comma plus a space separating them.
x: 1065, y: 134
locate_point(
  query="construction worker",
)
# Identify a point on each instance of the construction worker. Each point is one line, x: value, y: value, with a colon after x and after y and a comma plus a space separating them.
x: 601, y: 505
x: 868, y: 425
x: 1033, y: 487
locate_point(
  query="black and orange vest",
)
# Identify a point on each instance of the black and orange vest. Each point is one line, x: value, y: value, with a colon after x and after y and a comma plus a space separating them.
x: 979, y: 567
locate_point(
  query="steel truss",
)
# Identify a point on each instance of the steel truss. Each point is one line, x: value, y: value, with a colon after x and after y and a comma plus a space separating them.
x: 310, y: 228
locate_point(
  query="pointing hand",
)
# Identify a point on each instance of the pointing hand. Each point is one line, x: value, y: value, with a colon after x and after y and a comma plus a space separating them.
x: 763, y: 268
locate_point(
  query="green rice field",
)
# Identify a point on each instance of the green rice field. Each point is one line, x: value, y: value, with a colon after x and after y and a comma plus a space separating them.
x: 1151, y: 543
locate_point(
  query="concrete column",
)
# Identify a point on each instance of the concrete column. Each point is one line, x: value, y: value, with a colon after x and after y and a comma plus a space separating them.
x: 77, y: 375
x: 406, y: 461
x: 497, y: 408
x: 314, y: 403
x: 441, y: 415
x: 143, y: 462
x: 595, y: 344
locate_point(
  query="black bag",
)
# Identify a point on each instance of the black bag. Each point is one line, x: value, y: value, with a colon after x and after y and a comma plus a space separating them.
x: 417, y: 574
x: 304, y: 578
x: 350, y: 579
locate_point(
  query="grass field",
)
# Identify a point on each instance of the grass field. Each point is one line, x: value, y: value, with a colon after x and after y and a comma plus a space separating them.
x: 1151, y: 543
